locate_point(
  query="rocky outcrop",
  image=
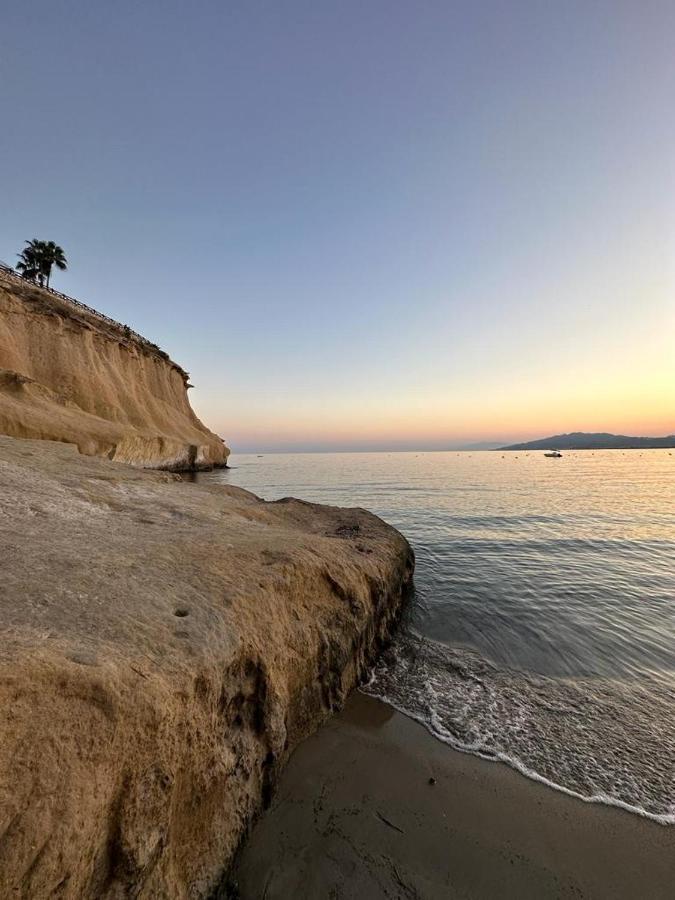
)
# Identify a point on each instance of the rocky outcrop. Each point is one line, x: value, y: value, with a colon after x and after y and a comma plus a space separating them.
x: 164, y: 647
x: 68, y: 374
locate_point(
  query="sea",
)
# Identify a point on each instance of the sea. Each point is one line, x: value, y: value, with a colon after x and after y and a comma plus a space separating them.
x: 541, y: 630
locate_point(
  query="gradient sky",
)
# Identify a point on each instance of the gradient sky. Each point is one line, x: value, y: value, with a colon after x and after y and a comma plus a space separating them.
x: 372, y: 224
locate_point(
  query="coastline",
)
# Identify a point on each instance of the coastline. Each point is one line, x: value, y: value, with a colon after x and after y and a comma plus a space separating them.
x: 355, y: 815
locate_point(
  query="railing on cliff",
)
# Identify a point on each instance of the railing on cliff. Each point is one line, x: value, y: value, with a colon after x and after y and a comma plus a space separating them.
x: 128, y: 332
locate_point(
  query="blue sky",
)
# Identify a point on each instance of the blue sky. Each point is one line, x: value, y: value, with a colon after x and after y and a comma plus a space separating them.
x: 362, y: 224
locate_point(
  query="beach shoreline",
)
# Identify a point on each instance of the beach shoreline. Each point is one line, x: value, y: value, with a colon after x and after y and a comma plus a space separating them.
x: 374, y: 806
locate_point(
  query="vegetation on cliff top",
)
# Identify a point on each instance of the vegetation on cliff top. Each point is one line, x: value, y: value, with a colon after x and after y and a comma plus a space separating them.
x: 38, y: 258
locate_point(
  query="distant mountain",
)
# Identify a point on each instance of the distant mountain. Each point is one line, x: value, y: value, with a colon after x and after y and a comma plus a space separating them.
x: 582, y: 440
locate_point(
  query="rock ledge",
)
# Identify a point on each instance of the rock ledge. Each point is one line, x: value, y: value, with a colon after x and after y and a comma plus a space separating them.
x: 164, y: 648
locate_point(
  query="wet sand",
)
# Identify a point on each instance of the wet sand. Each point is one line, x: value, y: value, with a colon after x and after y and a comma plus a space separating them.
x: 355, y: 816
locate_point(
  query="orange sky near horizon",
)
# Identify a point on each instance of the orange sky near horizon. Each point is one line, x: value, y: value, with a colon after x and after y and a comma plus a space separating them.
x: 597, y: 355
x: 629, y: 390
x: 643, y: 403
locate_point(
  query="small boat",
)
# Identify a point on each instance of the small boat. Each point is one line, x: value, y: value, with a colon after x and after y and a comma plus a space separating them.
x: 556, y: 454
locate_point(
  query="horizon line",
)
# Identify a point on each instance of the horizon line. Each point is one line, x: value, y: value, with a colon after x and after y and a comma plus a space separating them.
x: 259, y: 452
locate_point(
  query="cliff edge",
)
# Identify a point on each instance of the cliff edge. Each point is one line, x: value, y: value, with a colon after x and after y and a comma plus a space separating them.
x: 69, y: 374
x: 164, y: 648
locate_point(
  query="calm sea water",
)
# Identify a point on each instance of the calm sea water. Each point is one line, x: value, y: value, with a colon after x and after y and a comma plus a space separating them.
x: 542, y: 630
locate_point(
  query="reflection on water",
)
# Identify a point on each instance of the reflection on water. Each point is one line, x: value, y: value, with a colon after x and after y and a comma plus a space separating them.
x: 548, y: 575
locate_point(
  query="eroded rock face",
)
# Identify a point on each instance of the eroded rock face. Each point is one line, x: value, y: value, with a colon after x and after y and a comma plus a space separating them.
x: 163, y: 647
x: 66, y: 375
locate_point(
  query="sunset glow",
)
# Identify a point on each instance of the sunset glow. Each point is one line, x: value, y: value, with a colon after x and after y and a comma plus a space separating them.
x: 371, y: 227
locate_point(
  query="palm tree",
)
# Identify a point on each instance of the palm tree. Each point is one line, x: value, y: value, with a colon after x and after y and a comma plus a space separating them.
x: 37, y: 259
x: 52, y: 255
x: 29, y: 262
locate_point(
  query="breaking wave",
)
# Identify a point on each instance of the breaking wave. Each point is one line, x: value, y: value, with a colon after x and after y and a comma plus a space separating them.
x: 602, y: 740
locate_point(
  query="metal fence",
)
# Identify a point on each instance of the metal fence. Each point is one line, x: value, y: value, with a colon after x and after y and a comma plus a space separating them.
x: 127, y: 332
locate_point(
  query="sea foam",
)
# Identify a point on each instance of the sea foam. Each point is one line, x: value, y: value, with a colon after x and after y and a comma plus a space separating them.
x: 599, y: 740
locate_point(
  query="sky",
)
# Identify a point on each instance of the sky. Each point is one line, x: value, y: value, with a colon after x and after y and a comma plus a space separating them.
x: 362, y: 225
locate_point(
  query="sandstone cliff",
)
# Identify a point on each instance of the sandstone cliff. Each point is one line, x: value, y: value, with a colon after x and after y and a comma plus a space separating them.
x: 164, y: 647
x: 69, y: 375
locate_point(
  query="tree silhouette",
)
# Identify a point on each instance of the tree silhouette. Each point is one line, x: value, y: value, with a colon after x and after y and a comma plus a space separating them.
x: 52, y: 255
x: 29, y: 262
x: 37, y: 259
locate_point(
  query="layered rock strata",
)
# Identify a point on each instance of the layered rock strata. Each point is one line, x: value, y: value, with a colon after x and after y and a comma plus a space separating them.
x: 68, y: 374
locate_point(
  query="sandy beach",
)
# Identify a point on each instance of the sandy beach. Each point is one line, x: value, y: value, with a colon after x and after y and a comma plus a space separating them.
x: 372, y: 806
